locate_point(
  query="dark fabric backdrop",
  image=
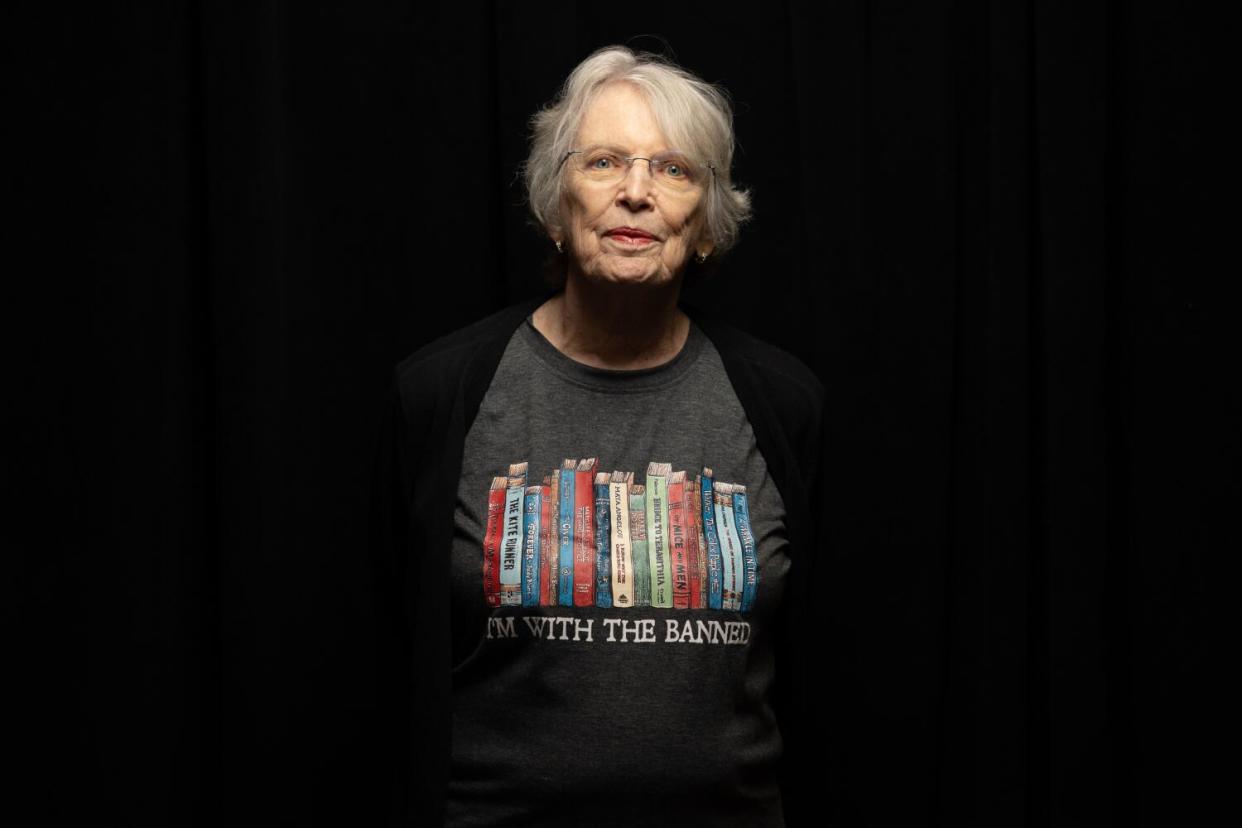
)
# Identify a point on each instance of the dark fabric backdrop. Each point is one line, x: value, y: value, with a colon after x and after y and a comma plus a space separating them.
x: 979, y: 222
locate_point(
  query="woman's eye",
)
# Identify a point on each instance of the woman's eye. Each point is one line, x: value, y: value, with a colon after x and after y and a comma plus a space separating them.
x: 674, y: 170
x: 602, y: 160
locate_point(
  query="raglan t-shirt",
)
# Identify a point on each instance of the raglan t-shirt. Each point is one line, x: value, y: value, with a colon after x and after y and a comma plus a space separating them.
x: 618, y: 560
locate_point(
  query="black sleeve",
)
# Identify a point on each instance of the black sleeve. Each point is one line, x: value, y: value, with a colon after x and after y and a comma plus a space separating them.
x: 388, y: 544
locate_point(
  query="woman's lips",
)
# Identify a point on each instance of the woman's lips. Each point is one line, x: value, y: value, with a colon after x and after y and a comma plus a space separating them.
x: 630, y: 240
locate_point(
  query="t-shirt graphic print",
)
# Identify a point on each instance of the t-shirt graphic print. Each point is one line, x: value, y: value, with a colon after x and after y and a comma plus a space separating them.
x: 618, y: 561
x: 580, y: 538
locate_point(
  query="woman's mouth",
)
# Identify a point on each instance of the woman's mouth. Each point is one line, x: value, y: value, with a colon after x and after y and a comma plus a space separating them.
x: 630, y: 239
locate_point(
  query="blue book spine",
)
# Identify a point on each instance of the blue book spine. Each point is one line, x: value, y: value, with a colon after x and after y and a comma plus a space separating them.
x: 714, y: 562
x: 565, y: 533
x: 532, y: 528
x: 603, y: 546
x: 750, y: 558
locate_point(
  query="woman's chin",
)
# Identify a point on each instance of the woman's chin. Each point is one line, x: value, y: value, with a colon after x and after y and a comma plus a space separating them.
x: 633, y: 272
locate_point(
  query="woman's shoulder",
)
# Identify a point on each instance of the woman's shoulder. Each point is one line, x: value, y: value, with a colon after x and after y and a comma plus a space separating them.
x: 768, y: 364
x: 449, y: 354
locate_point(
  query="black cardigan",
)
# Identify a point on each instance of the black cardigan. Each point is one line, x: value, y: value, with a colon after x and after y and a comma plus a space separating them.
x: 435, y: 395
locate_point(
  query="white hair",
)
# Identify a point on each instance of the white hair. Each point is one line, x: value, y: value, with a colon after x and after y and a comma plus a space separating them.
x: 694, y: 115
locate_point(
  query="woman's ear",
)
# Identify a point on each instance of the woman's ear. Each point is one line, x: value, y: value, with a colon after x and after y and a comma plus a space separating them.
x: 703, y: 243
x: 703, y: 249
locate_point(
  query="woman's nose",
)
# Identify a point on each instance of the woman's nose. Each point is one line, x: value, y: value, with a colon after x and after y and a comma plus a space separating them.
x: 639, y: 179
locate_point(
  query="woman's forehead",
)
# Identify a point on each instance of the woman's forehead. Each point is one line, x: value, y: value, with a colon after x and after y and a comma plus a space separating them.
x: 621, y: 149
x: 620, y: 116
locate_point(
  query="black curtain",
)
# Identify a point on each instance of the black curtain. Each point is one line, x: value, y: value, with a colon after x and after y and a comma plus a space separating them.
x: 984, y: 224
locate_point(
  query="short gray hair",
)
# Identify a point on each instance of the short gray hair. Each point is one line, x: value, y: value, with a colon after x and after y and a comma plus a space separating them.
x: 695, y: 116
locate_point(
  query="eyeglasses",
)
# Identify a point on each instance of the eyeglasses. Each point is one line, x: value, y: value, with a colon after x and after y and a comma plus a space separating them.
x: 672, y: 171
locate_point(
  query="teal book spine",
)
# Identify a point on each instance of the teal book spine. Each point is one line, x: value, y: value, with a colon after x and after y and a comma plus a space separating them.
x: 714, y: 575
x: 750, y: 558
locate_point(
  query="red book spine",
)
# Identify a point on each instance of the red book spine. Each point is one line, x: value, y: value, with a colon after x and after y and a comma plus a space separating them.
x: 491, y: 541
x: 677, y: 526
x: 547, y: 566
x: 584, y: 533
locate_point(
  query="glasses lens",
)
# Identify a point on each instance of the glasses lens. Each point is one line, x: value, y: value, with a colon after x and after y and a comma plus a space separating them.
x: 602, y: 165
x: 675, y: 171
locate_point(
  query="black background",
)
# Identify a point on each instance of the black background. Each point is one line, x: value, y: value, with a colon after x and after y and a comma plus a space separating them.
x: 985, y: 225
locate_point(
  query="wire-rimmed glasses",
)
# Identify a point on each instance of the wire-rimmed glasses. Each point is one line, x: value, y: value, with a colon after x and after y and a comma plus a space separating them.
x: 672, y: 170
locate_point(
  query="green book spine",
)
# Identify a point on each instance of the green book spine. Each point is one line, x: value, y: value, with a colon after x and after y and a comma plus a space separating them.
x: 638, y: 544
x: 657, y: 534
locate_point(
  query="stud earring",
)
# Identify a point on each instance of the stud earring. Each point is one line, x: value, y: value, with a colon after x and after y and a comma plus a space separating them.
x: 560, y: 248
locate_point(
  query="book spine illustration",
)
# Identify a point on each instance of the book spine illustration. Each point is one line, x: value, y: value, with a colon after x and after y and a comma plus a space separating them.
x: 730, y: 548
x: 750, y: 558
x: 491, y: 540
x: 694, y: 547
x: 532, y: 531
x: 565, y: 535
x: 587, y: 538
x: 677, y: 534
x: 548, y: 548
x: 657, y: 534
x: 511, y: 544
x: 603, y: 542
x: 714, y: 582
x: 621, y: 561
x: 638, y: 541
x: 584, y: 534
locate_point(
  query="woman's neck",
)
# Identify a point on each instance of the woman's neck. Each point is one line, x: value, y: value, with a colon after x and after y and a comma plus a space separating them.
x: 621, y: 327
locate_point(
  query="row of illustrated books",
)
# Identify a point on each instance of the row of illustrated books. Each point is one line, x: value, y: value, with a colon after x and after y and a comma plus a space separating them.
x: 585, y: 538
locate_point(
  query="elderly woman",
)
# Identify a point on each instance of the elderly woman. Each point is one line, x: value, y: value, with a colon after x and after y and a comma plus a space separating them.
x: 595, y: 534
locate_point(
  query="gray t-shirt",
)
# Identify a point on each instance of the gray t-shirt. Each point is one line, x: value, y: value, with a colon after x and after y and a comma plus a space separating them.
x: 612, y: 634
